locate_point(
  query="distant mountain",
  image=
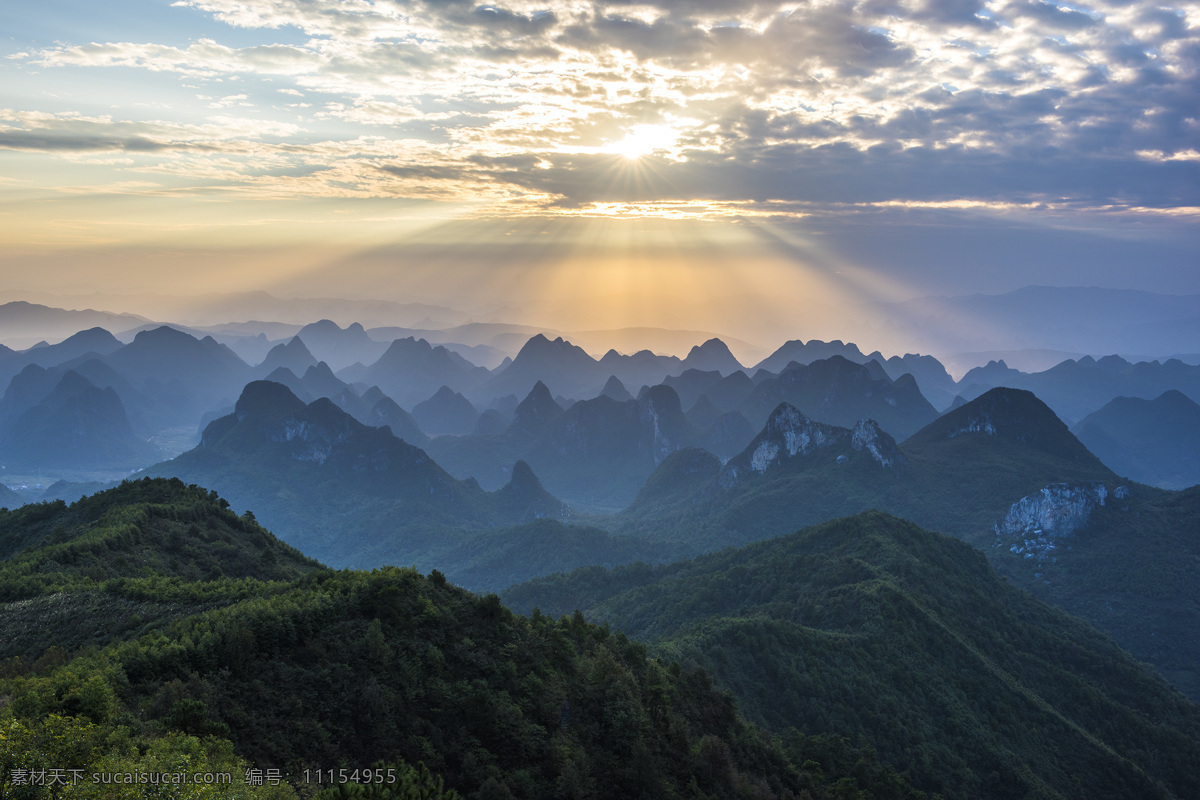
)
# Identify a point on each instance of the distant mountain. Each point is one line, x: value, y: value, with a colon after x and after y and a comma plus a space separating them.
x: 403, y: 426
x: 728, y: 435
x: 179, y: 376
x: 642, y: 368
x: 340, y: 347
x: 840, y: 392
x: 884, y: 633
x: 703, y: 413
x: 1152, y: 441
x: 594, y: 455
x: 350, y: 494
x: 710, y: 356
x: 291, y: 355
x: 92, y: 341
x: 76, y: 427
x: 411, y: 370
x: 1074, y: 389
x: 692, y: 383
x: 614, y: 389
x: 803, y: 352
x: 9, y: 498
x: 536, y: 412
x: 558, y: 364
x: 447, y: 412
x: 22, y: 324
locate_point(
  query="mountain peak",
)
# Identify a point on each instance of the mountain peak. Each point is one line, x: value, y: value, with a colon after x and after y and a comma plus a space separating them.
x: 712, y: 355
x: 536, y: 410
x: 267, y: 399
x: 616, y: 390
x: 1014, y: 415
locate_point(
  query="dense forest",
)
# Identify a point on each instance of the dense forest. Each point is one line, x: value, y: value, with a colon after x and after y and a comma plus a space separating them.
x: 140, y: 657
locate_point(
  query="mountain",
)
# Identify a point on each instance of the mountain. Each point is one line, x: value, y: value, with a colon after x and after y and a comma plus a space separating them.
x: 713, y: 355
x: 411, y: 370
x: 703, y: 413
x: 840, y: 392
x: 595, y: 455
x: 692, y: 383
x: 291, y: 355
x: 340, y: 347
x: 935, y: 382
x: 536, y: 412
x: 9, y: 498
x: 600, y: 451
x: 23, y: 324
x: 96, y: 341
x: 354, y: 495
x: 803, y: 352
x: 1004, y: 474
x: 447, y: 412
x: 728, y: 435
x: 180, y: 377
x: 76, y: 427
x: 1074, y: 389
x: 400, y: 422
x: 883, y: 633
x: 292, y: 665
x: 1152, y: 441
x: 614, y: 389
x: 558, y: 363
x: 642, y: 368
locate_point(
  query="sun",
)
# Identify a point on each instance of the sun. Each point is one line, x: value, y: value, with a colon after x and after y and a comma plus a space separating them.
x: 643, y: 140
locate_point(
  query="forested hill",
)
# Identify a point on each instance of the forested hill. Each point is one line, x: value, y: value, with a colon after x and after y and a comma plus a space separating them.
x: 294, y: 667
x: 874, y: 629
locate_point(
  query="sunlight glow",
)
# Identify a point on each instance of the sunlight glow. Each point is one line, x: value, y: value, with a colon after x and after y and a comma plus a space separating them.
x: 643, y: 140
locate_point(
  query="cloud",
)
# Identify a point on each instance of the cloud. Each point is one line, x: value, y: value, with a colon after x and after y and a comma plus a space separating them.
x: 866, y: 101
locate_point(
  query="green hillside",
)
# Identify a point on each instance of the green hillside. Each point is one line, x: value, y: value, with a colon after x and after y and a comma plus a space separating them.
x: 297, y: 668
x: 878, y: 631
x: 1001, y: 473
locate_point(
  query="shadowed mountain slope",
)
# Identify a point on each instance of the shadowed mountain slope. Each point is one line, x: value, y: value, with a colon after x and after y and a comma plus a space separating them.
x: 1153, y: 441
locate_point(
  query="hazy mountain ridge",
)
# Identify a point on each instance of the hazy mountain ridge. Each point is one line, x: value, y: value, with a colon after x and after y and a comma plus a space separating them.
x: 1152, y: 441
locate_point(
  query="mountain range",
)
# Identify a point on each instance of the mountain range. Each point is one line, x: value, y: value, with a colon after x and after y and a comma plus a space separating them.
x: 875, y: 630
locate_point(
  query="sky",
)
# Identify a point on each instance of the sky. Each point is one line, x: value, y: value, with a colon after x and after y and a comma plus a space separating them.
x: 755, y: 167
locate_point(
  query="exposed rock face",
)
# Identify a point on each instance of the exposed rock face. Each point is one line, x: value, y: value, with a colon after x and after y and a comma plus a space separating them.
x: 790, y: 434
x: 1033, y: 523
x: 867, y: 436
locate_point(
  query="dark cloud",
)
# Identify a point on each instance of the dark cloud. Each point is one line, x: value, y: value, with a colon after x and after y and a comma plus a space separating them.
x: 68, y: 143
x: 1066, y: 19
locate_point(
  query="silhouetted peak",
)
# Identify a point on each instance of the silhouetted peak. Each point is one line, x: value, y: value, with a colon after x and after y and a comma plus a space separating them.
x: 164, y: 334
x: 537, y: 409
x: 267, y: 399
x: 524, y: 483
x: 1008, y: 414
x: 72, y: 383
x: 296, y: 347
x: 616, y: 390
x: 92, y: 339
x: 321, y: 371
